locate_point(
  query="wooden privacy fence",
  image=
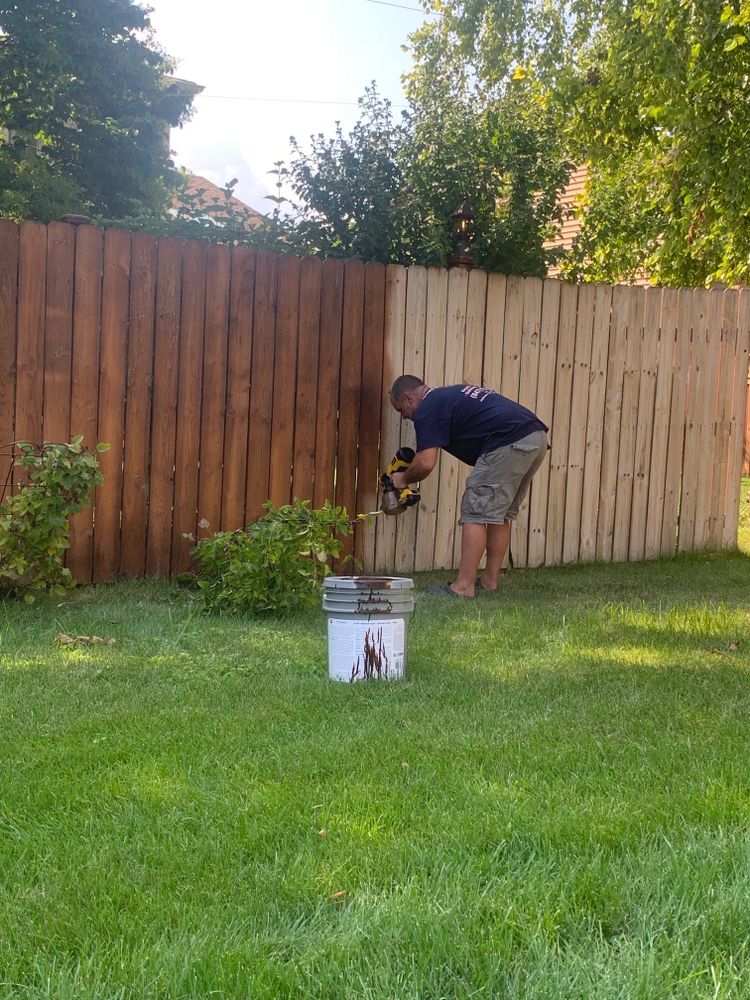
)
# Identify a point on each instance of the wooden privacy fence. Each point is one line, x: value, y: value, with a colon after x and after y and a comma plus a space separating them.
x: 224, y: 377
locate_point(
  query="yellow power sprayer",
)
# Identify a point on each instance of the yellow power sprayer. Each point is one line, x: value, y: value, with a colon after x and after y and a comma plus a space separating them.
x: 397, y: 501
x: 394, y: 501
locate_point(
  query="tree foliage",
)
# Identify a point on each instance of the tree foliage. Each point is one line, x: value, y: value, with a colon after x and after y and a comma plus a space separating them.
x: 34, y: 522
x: 350, y: 189
x: 84, y: 106
x: 387, y: 190
x: 276, y: 563
x: 664, y: 117
x: 651, y: 94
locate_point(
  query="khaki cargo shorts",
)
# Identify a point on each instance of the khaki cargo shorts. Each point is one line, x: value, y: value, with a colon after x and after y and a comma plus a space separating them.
x: 499, y: 482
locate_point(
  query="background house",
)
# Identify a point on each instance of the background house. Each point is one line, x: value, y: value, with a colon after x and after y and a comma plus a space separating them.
x: 570, y: 202
x: 206, y: 200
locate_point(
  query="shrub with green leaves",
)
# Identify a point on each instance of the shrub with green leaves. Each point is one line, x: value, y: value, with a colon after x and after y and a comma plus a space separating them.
x: 278, y: 562
x: 34, y: 522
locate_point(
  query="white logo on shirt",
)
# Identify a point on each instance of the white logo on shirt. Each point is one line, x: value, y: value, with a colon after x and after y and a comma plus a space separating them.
x: 476, y: 392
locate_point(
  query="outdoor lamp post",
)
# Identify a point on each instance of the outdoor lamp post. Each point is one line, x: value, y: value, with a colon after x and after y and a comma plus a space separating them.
x: 463, y: 234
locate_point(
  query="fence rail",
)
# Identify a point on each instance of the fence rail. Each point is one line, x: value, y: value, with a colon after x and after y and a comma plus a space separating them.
x: 224, y: 377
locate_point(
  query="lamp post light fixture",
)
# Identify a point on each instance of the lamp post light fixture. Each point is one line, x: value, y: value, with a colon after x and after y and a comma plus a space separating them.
x: 75, y: 220
x: 463, y: 234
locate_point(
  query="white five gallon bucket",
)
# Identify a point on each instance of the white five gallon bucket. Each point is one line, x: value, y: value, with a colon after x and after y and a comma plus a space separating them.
x: 368, y: 618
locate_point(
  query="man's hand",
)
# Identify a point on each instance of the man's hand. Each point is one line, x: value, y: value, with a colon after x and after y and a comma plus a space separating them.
x: 421, y: 466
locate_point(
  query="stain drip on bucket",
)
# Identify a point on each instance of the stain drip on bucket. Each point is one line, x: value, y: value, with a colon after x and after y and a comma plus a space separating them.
x: 375, y: 659
x: 367, y: 626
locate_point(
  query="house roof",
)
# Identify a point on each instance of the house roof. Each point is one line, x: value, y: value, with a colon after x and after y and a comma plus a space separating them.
x: 202, y: 194
x: 187, y: 87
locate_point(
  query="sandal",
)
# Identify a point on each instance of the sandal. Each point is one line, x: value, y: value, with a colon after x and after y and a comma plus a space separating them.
x: 445, y: 591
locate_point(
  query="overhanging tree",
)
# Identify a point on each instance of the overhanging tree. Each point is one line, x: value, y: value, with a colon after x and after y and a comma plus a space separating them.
x: 84, y: 108
x: 386, y: 191
x: 662, y: 113
x: 652, y: 94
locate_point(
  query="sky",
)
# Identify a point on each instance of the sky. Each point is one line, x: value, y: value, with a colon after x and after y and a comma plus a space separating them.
x: 276, y: 69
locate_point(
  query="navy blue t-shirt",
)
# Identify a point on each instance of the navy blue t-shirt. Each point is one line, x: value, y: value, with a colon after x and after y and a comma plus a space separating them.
x: 468, y: 421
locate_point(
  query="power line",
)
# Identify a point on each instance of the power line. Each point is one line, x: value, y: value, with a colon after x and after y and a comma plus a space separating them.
x: 384, y: 3
x: 303, y: 100
x: 279, y: 100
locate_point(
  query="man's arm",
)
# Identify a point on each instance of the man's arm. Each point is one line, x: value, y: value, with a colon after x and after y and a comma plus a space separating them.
x: 422, y: 465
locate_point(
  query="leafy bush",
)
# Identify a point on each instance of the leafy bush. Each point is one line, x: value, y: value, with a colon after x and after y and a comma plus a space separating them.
x: 277, y: 562
x: 34, y: 531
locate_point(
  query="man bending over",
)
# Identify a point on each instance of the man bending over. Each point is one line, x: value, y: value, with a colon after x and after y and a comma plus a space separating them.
x: 503, y: 441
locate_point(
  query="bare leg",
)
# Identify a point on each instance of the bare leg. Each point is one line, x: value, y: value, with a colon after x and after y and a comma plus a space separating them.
x: 498, y: 539
x: 473, y: 544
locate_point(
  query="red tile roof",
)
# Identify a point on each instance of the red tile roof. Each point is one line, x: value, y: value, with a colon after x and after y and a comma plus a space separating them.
x: 203, y: 194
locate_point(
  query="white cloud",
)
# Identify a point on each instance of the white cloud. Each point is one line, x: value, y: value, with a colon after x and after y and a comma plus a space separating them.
x: 327, y: 50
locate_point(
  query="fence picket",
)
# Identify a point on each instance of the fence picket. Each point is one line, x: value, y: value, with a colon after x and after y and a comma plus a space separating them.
x: 452, y: 472
x: 284, y: 380
x: 612, y: 415
x: 660, y: 438
x: 84, y: 394
x: 476, y: 319
x: 558, y: 456
x: 434, y: 370
x: 492, y: 362
x: 329, y: 359
x: 111, y: 419
x: 215, y: 354
x: 252, y: 341
x: 578, y: 415
x: 631, y: 387
x: 390, y: 421
x: 741, y: 397
x: 675, y: 448
x: 350, y: 393
x: 414, y: 356
x: 510, y: 376
x: 32, y: 285
x: 138, y: 401
x: 306, y: 399
x: 252, y: 284
x: 58, y: 331
x: 645, y: 424
x: 473, y: 368
x: 595, y: 422
x: 527, y: 390
x: 189, y: 399
x: 8, y: 338
x: 706, y: 493
x: 722, y: 425
x: 164, y: 410
x: 696, y: 389
x: 544, y: 409
x: 370, y: 404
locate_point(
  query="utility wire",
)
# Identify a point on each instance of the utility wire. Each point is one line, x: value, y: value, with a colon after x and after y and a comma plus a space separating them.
x: 384, y: 3
x: 303, y: 100
x: 278, y: 100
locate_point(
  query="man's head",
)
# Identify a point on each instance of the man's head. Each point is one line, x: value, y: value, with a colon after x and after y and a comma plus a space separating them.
x: 407, y: 392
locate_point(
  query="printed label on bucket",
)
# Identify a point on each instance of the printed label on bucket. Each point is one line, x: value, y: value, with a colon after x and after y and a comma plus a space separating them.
x: 366, y: 650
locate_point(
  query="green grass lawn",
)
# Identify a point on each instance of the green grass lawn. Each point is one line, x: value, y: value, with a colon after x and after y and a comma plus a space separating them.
x: 555, y: 803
